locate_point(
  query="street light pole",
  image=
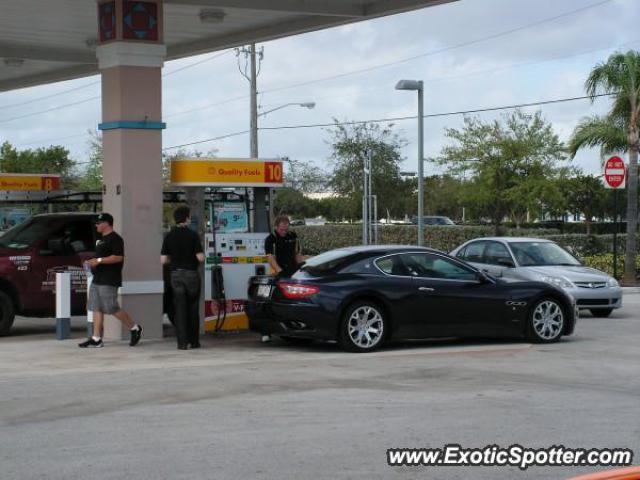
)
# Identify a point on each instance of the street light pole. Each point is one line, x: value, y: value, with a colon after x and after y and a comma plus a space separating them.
x: 419, y: 86
x: 420, y: 165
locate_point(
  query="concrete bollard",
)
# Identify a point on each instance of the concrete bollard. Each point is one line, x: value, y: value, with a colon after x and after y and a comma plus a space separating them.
x: 63, y: 305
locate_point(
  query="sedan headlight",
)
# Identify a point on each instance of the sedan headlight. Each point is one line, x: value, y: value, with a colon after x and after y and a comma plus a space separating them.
x: 613, y: 283
x: 558, y: 281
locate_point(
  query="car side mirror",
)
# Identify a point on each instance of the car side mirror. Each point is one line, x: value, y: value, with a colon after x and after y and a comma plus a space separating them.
x: 505, y: 262
x: 483, y: 277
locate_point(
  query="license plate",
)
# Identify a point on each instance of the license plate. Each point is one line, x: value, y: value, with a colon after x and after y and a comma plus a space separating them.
x: 264, y: 291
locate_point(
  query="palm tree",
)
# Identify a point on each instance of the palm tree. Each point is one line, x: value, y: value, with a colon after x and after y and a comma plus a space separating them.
x: 619, y: 130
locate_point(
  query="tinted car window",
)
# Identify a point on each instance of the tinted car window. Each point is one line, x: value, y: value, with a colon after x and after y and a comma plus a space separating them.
x: 473, y: 252
x: 495, y: 252
x: 76, y: 237
x: 392, y: 265
x: 435, y: 266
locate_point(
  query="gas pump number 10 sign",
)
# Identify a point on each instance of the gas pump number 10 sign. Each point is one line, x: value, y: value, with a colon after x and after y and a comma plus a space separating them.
x: 273, y: 172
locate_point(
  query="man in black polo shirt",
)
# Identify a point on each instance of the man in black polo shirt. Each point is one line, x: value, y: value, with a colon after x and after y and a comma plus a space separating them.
x: 182, y: 250
x: 107, y: 277
x: 283, y: 252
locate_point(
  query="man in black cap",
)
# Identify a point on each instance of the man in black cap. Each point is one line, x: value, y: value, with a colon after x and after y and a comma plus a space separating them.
x: 107, y: 277
x: 182, y: 250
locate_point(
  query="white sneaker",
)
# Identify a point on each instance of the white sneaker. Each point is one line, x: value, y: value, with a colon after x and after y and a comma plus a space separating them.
x: 266, y: 338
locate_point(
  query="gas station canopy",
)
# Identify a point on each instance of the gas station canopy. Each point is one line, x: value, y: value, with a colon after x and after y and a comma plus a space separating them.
x: 43, y: 41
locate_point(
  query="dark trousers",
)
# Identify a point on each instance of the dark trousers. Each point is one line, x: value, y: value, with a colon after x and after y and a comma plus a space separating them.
x: 186, y: 300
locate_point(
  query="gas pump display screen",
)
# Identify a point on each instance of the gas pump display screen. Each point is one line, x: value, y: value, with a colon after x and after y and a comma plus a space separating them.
x: 230, y: 217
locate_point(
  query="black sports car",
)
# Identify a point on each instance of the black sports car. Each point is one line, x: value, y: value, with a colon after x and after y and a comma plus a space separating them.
x: 363, y: 296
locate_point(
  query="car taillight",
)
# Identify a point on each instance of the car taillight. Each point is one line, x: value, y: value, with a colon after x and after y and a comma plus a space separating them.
x: 297, y: 290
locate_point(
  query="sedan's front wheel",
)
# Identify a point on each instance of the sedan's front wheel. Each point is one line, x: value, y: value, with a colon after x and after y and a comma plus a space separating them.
x: 363, y: 327
x: 546, y: 321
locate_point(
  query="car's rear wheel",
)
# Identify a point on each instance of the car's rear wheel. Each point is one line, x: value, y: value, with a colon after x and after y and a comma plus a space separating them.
x: 601, y: 312
x: 363, y: 327
x: 546, y: 321
x: 7, y: 313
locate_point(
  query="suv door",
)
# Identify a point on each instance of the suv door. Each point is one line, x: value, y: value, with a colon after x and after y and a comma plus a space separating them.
x: 65, y: 250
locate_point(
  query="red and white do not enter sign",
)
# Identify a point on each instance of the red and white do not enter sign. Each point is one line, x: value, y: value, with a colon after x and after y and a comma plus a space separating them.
x: 614, y: 172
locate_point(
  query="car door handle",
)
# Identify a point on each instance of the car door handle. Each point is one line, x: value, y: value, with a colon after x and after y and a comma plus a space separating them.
x: 426, y: 289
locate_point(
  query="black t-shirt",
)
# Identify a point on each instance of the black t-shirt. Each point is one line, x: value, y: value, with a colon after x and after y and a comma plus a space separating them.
x: 284, y: 248
x: 109, y: 274
x: 182, y: 244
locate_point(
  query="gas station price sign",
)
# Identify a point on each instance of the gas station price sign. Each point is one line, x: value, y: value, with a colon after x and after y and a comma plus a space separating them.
x: 29, y: 182
x: 227, y: 172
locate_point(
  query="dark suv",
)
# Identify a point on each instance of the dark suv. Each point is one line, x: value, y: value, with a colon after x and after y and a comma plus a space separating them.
x: 30, y: 256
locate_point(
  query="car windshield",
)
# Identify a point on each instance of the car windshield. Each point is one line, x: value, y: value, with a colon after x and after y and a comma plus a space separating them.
x: 529, y: 254
x: 326, y: 261
x: 28, y: 233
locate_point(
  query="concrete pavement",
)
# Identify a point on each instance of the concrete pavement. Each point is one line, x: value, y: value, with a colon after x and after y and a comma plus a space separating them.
x: 241, y: 409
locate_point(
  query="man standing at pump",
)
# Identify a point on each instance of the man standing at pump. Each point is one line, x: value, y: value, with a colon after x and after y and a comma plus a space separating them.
x: 182, y: 250
x: 283, y: 252
x: 107, y: 277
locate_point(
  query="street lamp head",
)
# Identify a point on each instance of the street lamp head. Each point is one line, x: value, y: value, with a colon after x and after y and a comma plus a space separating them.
x: 409, y: 85
x: 308, y: 105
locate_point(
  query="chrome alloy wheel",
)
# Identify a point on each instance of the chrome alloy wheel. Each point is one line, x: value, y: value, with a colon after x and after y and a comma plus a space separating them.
x: 548, y: 320
x: 365, y: 327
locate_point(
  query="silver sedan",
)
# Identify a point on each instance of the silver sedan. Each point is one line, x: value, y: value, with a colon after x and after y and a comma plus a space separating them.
x: 521, y: 258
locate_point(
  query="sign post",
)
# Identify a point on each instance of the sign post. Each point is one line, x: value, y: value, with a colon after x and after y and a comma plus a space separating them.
x: 614, y: 178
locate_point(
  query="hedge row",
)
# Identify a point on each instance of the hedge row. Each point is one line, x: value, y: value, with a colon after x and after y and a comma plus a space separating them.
x: 318, y: 239
x: 605, y: 263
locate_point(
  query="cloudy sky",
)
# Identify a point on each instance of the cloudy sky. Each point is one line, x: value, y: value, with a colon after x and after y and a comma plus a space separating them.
x: 471, y: 54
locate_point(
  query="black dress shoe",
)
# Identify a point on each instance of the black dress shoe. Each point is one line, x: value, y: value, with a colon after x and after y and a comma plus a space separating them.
x: 195, y: 345
x: 182, y: 346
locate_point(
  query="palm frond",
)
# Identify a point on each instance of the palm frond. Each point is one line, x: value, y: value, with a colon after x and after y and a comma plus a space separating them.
x: 606, y: 132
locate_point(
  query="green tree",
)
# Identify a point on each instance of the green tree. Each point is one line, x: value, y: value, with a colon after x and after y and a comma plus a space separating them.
x: 53, y: 160
x: 304, y: 176
x: 292, y: 202
x: 585, y: 194
x: 443, y: 196
x: 619, y: 130
x: 92, y: 178
x: 511, y: 164
x: 350, y: 145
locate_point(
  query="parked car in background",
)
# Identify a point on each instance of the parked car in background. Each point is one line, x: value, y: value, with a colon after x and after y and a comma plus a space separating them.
x: 544, y: 260
x: 32, y: 253
x: 364, y: 296
x: 434, y: 220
